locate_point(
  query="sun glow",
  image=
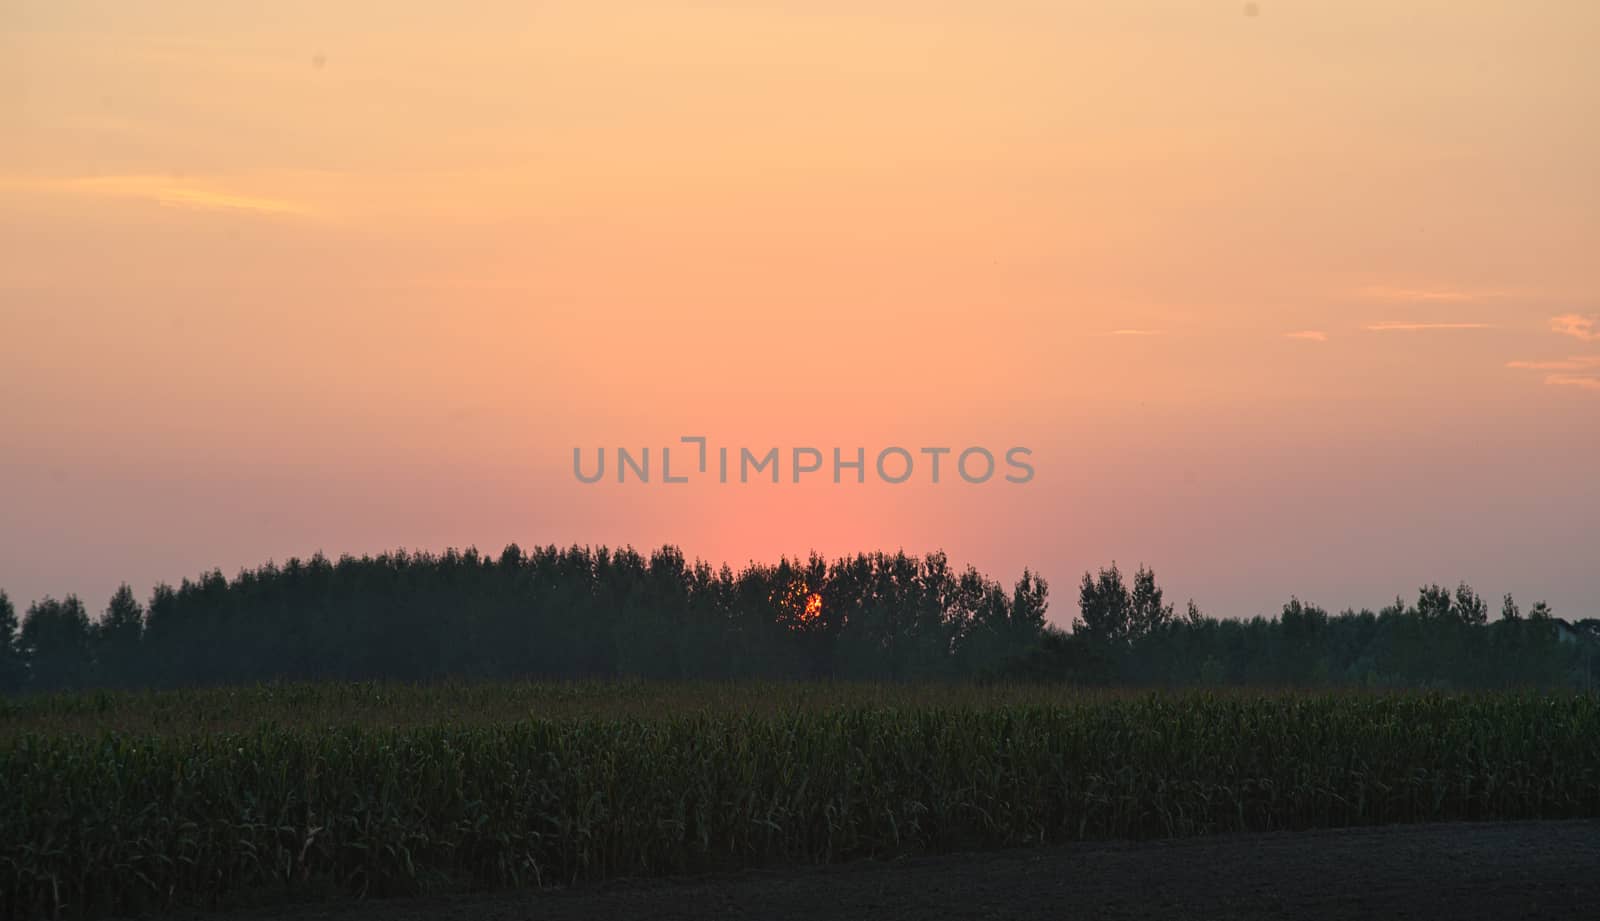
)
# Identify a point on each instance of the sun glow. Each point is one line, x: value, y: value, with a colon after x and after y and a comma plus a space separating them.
x: 799, y: 606
x: 812, y: 612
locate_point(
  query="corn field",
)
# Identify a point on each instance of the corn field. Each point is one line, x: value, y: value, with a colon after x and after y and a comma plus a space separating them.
x: 281, y: 798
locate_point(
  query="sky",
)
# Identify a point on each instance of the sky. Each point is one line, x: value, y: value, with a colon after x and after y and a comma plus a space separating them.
x: 1286, y: 298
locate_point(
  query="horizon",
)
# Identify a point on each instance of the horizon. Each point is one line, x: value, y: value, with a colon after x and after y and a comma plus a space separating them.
x: 1057, y: 615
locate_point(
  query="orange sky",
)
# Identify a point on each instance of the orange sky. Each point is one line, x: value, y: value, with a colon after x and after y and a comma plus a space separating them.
x: 1298, y: 302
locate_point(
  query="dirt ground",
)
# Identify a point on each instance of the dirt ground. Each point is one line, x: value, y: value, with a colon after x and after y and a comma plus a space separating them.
x: 1460, y: 871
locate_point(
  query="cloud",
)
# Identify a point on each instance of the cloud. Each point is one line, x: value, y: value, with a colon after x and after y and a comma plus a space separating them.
x: 1137, y: 332
x: 1577, y: 363
x: 1398, y: 326
x: 1310, y: 335
x: 166, y: 191
x: 1577, y: 326
x: 1573, y: 380
x: 1584, y: 371
x: 1437, y: 295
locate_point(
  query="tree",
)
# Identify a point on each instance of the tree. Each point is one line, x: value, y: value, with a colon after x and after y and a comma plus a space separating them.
x: 12, y: 666
x: 1509, y: 610
x: 1303, y: 629
x: 1029, y: 602
x: 116, y: 639
x: 1146, y: 612
x: 1469, y: 608
x: 1433, y: 603
x: 580, y: 612
x: 1103, y: 606
x: 55, y: 639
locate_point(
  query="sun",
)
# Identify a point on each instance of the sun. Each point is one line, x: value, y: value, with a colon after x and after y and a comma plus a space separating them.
x: 812, y: 612
x: 801, y: 607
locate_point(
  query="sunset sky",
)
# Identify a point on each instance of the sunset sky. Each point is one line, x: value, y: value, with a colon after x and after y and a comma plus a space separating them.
x: 1300, y: 298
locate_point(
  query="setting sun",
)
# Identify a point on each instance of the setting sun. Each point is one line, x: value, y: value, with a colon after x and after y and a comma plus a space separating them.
x: 813, y: 609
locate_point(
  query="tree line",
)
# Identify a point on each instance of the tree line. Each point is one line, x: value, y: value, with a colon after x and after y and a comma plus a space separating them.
x: 582, y: 612
x: 1129, y: 634
x: 551, y: 612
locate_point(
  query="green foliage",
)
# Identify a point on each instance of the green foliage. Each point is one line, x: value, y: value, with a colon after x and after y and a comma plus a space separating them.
x: 297, y: 806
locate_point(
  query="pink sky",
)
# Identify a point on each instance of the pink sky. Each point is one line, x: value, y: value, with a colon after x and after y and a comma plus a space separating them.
x: 1303, y: 302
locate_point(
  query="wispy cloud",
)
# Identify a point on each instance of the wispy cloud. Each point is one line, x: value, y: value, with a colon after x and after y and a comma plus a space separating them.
x: 1438, y: 295
x: 162, y: 190
x: 1137, y: 332
x: 1577, y: 326
x: 1310, y: 335
x: 1573, y: 380
x: 1577, y: 363
x: 1401, y: 326
x: 1582, y: 371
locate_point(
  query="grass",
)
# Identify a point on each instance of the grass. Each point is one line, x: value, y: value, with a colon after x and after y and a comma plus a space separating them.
x: 397, y: 705
x: 126, y: 802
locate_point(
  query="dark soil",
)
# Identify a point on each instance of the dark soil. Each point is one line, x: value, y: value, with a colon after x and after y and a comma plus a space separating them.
x: 1508, y: 870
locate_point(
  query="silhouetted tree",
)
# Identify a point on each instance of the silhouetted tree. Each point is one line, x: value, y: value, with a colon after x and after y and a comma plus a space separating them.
x: 1146, y: 612
x: 1433, y: 603
x: 55, y: 639
x: 1103, y: 607
x: 581, y: 612
x: 13, y: 669
x: 116, y: 639
x: 1444, y: 640
x: 1468, y: 608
